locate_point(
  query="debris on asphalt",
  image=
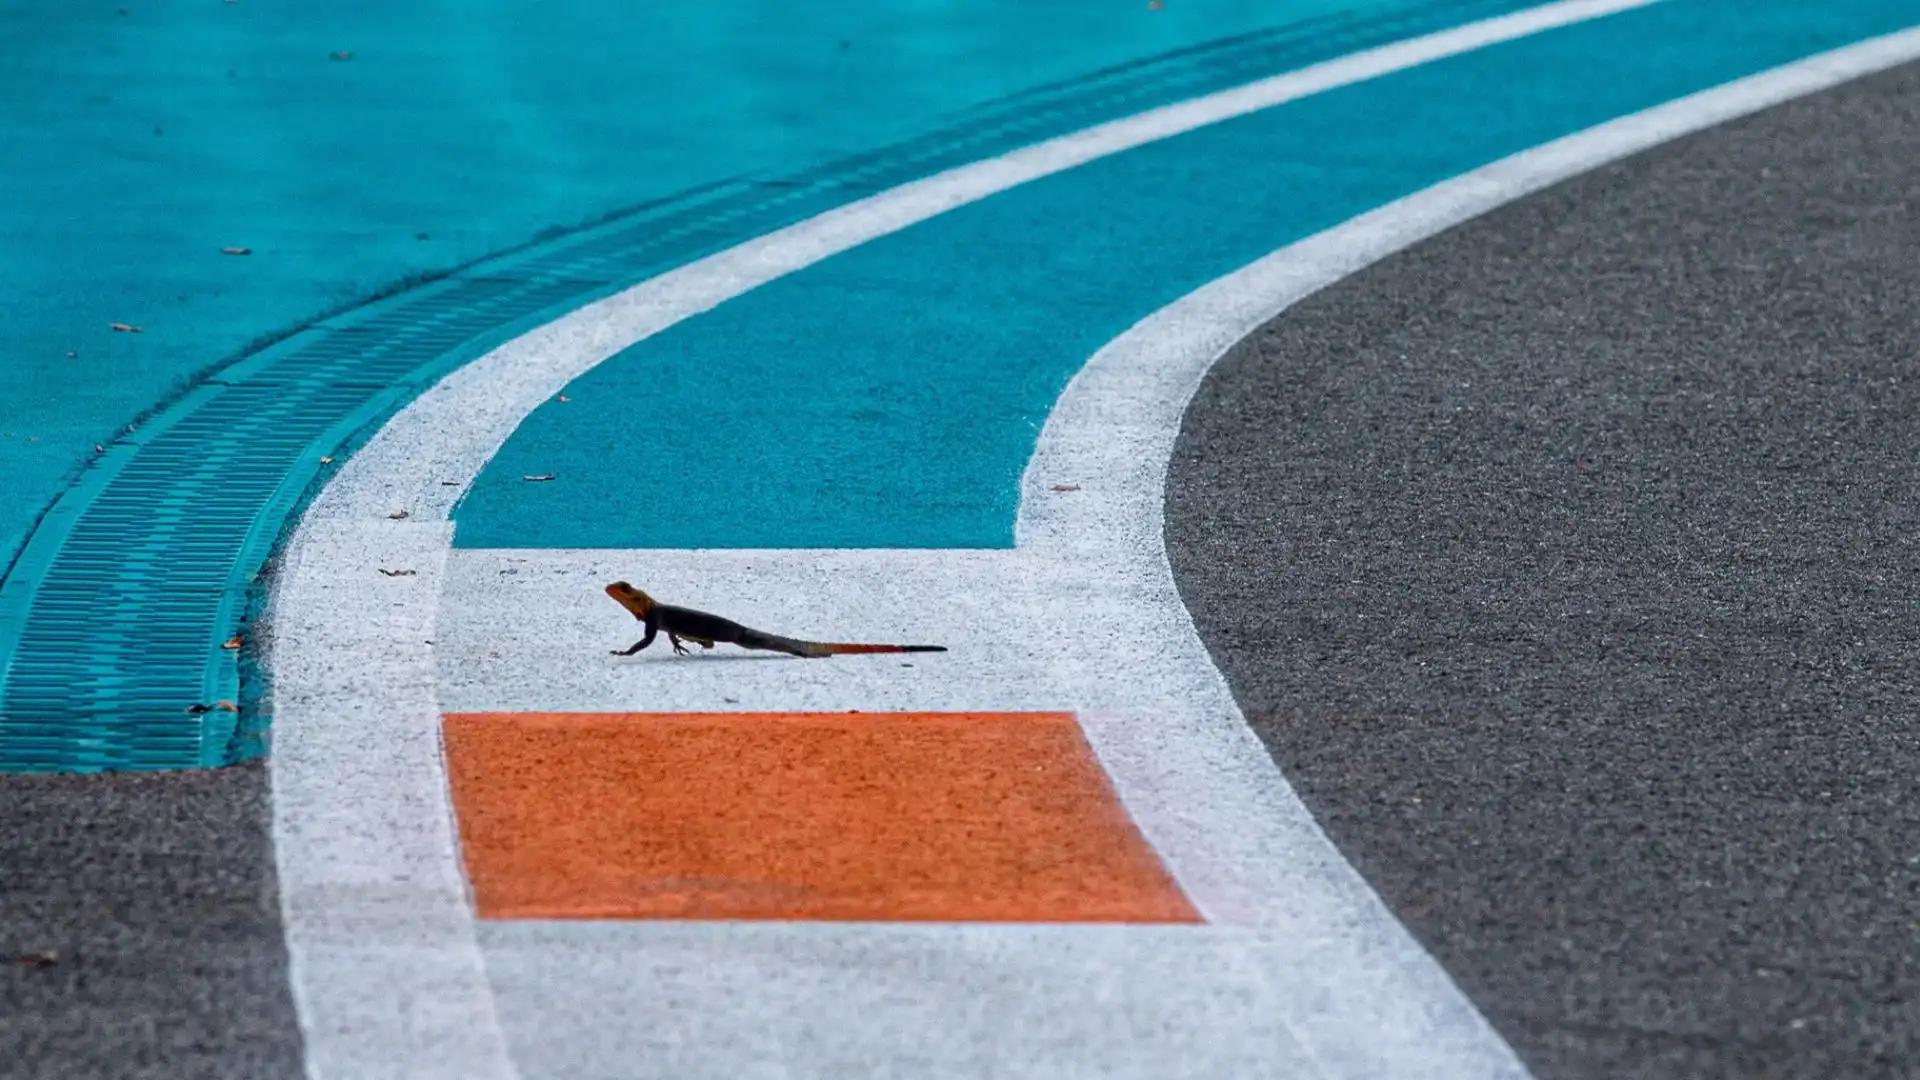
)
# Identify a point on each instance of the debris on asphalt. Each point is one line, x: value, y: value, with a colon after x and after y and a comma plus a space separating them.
x: 1066, y: 487
x: 399, y: 515
x: 396, y: 573
x: 37, y: 959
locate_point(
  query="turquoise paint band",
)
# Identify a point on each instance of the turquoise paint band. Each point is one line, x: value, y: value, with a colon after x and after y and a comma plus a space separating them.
x: 891, y: 395
x: 114, y: 614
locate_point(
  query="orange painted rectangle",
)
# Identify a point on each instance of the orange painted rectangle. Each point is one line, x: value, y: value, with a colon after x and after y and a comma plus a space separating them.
x: 1003, y: 817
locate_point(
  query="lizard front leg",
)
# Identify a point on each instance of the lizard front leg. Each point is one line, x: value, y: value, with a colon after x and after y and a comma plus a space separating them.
x: 641, y: 644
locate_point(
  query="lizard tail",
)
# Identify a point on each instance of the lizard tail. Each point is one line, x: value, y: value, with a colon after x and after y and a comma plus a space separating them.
x: 755, y: 639
x: 833, y: 649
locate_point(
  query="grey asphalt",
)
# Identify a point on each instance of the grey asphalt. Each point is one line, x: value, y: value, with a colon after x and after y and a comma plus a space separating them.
x: 1569, y: 564
x: 153, y: 896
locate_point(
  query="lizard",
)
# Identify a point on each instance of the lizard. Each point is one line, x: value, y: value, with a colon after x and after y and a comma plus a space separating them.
x: 703, y: 630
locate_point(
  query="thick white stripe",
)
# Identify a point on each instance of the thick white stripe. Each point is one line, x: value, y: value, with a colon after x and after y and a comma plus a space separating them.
x: 366, y: 853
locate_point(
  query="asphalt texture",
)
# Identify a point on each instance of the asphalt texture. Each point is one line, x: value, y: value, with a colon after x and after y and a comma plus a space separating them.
x: 1568, y: 565
x: 140, y: 930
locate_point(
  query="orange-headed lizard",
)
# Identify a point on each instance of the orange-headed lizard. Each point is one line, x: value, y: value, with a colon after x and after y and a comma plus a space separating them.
x: 703, y: 630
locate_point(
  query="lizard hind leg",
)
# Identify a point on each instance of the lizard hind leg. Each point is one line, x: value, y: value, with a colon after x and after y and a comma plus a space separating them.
x: 682, y: 650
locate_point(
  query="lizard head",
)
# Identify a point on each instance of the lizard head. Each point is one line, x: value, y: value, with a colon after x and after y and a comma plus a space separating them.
x: 631, y: 598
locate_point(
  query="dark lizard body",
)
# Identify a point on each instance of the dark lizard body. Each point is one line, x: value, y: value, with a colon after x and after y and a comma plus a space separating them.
x: 704, y: 629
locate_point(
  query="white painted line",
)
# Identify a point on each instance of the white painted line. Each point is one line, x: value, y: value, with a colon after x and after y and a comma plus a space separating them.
x: 369, y: 882
x: 366, y: 855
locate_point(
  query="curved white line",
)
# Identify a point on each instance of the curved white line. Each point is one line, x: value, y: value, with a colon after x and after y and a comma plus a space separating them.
x: 386, y: 974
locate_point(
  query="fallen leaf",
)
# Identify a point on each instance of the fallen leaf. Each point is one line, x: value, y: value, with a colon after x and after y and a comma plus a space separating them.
x: 326, y: 461
x: 124, y: 328
x: 396, y: 573
x: 399, y: 515
x: 233, y: 642
x: 563, y: 397
x: 235, y: 250
x: 1066, y: 487
x: 343, y: 54
x: 37, y: 959
x: 98, y: 449
x: 536, y: 479
x: 226, y: 706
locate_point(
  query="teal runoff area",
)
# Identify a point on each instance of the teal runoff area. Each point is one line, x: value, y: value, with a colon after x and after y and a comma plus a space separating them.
x: 141, y: 137
x: 891, y: 396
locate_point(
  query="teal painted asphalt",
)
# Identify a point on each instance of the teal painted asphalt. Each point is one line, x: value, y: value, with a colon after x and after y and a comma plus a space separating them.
x: 182, y: 514
x: 890, y: 396
x: 140, y: 144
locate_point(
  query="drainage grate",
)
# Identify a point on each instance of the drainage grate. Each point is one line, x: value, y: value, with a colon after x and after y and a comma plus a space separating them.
x: 113, y: 617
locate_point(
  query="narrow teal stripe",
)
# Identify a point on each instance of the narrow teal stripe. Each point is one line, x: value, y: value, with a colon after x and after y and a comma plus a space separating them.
x: 890, y: 396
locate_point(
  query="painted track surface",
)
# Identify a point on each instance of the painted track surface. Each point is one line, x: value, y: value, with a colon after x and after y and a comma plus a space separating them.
x: 142, y: 138
x: 186, y: 512
x: 1567, y: 564
x: 187, y: 967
